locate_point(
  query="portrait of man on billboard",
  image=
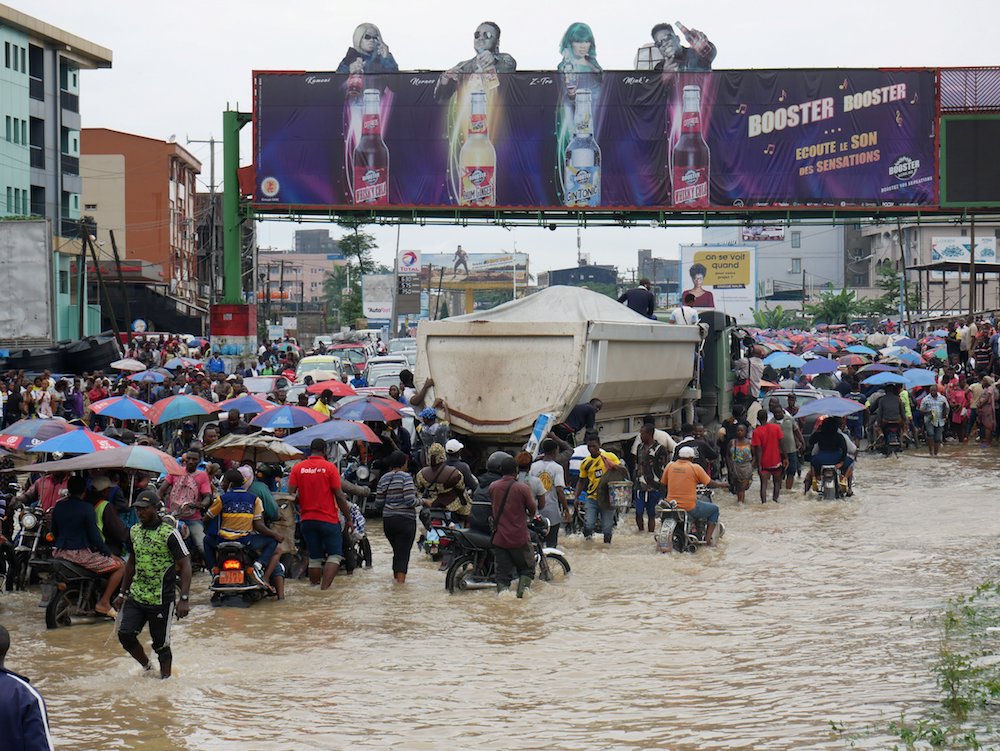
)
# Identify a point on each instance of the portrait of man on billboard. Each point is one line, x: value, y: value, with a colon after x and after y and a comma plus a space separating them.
x: 680, y: 59
x: 489, y: 61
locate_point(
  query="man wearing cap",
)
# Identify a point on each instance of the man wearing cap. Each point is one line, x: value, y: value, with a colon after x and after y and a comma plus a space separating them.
x: 157, y: 554
x: 316, y: 483
x: 681, y: 479
x: 453, y: 450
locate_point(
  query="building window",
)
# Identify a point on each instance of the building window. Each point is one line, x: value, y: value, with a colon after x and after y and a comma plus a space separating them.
x: 6, y: 54
x: 796, y: 266
x: 9, y: 208
x: 796, y: 239
x: 24, y: 60
x: 24, y: 132
x: 10, y: 121
x: 63, y: 282
x: 38, y: 200
x: 861, y: 280
x: 90, y: 207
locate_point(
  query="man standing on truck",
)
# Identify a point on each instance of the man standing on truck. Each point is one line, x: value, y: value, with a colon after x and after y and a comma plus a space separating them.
x: 640, y: 299
x: 581, y: 416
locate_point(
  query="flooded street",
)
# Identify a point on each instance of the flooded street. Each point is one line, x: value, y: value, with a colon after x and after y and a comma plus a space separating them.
x: 808, y: 612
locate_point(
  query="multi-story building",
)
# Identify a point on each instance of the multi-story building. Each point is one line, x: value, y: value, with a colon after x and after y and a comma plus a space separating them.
x: 295, y: 279
x: 144, y: 190
x: 40, y: 142
x: 793, y: 262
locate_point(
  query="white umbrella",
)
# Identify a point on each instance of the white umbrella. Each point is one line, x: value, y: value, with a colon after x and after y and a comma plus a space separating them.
x: 128, y: 364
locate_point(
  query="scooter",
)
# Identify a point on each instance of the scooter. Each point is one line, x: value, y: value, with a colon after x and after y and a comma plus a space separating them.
x: 237, y: 579
x: 474, y: 566
x: 681, y: 533
x: 74, y: 596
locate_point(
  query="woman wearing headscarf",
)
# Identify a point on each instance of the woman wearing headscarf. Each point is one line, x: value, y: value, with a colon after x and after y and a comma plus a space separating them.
x: 369, y: 54
x: 986, y: 410
x: 441, y: 485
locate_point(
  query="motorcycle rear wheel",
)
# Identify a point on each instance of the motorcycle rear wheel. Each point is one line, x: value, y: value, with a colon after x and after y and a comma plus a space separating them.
x: 364, y: 553
x: 459, y: 572
x: 63, y: 606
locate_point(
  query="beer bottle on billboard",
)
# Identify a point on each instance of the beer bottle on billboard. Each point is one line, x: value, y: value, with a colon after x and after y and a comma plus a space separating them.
x: 371, y: 157
x: 478, y: 159
x: 582, y: 178
x: 690, y: 157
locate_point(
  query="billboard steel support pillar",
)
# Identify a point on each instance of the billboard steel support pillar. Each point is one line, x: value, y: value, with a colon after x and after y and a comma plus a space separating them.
x: 232, y: 123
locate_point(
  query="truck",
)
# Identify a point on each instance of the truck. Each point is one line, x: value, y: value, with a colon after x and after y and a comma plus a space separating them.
x: 501, y: 368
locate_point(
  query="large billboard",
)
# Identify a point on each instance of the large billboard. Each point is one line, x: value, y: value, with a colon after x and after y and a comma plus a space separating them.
x: 462, y: 266
x: 960, y: 249
x: 635, y: 139
x: 723, y: 277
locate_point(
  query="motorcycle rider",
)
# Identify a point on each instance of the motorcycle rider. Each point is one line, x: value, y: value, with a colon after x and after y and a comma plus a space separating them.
x: 46, y: 491
x: 78, y: 540
x: 241, y: 519
x: 890, y: 410
x: 680, y: 481
x: 830, y: 449
x: 512, y: 505
x: 453, y: 450
x: 157, y: 554
x: 187, y: 496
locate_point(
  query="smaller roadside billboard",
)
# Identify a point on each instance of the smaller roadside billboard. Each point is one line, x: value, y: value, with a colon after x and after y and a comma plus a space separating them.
x: 720, y: 277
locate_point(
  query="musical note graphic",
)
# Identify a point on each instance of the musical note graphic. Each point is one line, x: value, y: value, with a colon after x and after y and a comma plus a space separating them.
x: 844, y: 85
x: 916, y: 96
x: 783, y: 95
x: 770, y: 149
x: 899, y: 119
x: 741, y: 110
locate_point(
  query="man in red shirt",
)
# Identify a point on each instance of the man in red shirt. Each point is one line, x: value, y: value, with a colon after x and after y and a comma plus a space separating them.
x: 316, y: 483
x: 768, y: 459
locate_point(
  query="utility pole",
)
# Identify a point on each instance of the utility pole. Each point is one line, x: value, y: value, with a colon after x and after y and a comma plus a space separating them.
x: 212, y: 243
x: 281, y: 289
x: 121, y: 287
x: 803, y: 291
x: 972, y: 265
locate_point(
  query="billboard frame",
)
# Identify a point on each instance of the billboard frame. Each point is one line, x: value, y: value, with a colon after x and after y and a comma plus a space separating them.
x: 943, y: 120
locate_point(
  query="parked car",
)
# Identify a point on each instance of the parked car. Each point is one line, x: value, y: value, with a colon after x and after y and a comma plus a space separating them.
x: 266, y: 385
x: 398, y: 345
x: 320, y: 367
x: 353, y: 354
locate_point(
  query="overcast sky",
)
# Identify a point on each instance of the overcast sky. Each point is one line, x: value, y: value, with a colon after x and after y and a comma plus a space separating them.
x: 178, y: 65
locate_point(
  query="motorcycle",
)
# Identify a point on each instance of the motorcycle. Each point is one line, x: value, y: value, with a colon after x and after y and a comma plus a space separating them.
x: 74, y: 596
x: 474, y: 566
x: 679, y: 531
x: 237, y: 579
x: 433, y: 540
x: 359, y: 483
x: 32, y: 547
x: 357, y: 547
x: 830, y: 483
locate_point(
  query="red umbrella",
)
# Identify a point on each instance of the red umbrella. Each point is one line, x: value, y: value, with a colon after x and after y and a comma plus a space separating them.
x: 178, y: 407
x: 121, y: 408
x: 852, y: 360
x: 339, y: 388
x: 364, y: 408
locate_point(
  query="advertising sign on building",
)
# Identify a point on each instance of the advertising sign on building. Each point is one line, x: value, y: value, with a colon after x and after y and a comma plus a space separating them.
x: 757, y: 232
x: 960, y: 249
x: 724, y: 139
x: 408, y: 262
x: 720, y: 277
x: 376, y: 296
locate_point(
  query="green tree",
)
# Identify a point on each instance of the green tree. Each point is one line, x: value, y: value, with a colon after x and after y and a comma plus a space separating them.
x: 887, y: 304
x: 835, y: 307
x: 357, y: 246
x: 775, y: 318
x: 342, y: 285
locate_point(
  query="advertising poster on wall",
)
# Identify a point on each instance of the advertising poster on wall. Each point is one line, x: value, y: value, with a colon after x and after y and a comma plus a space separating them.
x: 630, y: 139
x: 756, y: 232
x: 721, y: 277
x: 960, y: 249
x: 376, y: 296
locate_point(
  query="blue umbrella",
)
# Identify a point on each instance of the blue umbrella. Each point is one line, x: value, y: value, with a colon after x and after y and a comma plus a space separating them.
x: 819, y: 365
x: 180, y: 362
x: 939, y: 332
x: 911, y: 357
x: 881, y: 379
x: 835, y: 406
x: 860, y: 349
x: 334, y: 430
x: 288, y: 417
x: 906, y: 342
x: 919, y: 377
x: 147, y: 376
x: 879, y: 367
x: 121, y: 408
x: 782, y: 360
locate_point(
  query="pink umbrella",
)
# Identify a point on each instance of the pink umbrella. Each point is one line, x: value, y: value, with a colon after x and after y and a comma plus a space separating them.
x: 178, y: 407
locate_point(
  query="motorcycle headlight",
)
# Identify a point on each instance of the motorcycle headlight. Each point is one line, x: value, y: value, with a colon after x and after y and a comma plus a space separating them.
x: 362, y: 473
x: 28, y: 520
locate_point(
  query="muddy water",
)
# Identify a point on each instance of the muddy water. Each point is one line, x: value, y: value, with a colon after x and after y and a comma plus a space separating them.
x: 808, y: 612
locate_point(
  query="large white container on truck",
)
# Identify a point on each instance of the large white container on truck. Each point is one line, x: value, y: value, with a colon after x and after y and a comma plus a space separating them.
x: 500, y: 368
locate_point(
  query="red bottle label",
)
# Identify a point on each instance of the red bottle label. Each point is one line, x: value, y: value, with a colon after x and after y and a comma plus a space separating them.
x: 370, y: 125
x: 371, y: 185
x: 478, y: 187
x: 690, y: 187
x: 691, y: 122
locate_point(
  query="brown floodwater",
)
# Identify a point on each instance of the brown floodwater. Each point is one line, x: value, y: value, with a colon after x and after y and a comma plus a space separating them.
x: 808, y: 612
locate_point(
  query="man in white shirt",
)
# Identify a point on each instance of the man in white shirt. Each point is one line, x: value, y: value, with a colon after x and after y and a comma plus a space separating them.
x: 685, y: 314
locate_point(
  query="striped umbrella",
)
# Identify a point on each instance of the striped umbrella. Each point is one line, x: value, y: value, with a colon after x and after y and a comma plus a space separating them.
x: 247, y: 404
x: 79, y: 441
x: 24, y: 434
x: 288, y: 417
x: 121, y: 408
x: 178, y: 407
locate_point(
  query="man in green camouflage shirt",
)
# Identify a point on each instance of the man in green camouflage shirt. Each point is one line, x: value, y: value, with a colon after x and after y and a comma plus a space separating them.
x: 156, y: 553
